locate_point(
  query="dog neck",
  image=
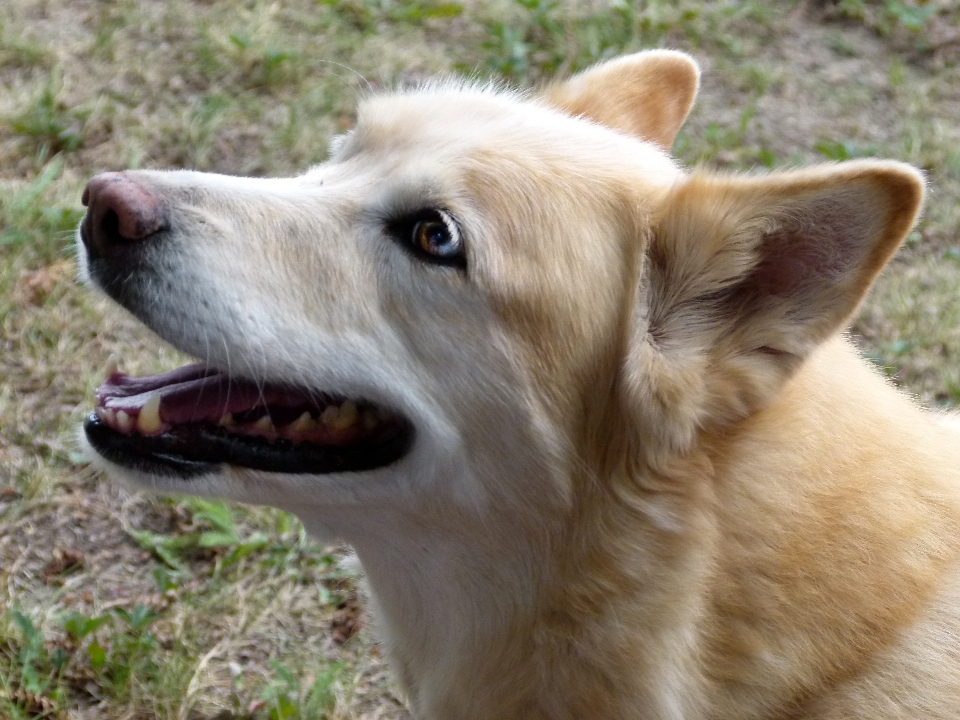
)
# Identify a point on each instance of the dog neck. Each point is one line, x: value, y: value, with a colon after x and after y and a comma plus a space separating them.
x: 515, y: 608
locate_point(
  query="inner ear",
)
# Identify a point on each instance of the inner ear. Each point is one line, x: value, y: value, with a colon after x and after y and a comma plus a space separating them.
x: 648, y: 94
x: 820, y: 256
x: 825, y: 242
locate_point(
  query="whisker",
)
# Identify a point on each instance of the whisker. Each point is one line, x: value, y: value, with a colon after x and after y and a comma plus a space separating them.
x: 347, y: 67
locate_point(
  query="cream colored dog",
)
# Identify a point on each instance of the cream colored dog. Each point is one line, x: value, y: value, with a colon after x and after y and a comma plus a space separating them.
x: 588, y: 419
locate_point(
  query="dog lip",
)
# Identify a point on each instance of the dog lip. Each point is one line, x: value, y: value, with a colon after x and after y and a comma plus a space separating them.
x: 190, y: 450
x: 114, y: 446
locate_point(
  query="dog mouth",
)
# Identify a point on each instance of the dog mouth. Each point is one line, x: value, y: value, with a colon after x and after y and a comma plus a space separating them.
x: 188, y: 421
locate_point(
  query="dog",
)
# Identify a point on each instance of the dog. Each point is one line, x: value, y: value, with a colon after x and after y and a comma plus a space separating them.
x: 588, y: 419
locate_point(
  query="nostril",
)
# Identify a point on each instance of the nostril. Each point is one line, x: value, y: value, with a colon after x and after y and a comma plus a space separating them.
x: 110, y: 228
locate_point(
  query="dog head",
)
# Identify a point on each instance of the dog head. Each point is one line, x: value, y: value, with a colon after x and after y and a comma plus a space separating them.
x: 476, y: 286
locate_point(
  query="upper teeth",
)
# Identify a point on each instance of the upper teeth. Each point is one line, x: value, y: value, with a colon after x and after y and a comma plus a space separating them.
x: 124, y: 421
x: 112, y: 366
x: 340, y: 418
x: 347, y: 416
x: 149, y: 420
x: 304, y: 423
x: 329, y: 415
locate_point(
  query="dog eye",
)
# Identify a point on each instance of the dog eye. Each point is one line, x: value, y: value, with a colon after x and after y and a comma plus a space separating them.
x: 439, y: 237
x: 433, y: 236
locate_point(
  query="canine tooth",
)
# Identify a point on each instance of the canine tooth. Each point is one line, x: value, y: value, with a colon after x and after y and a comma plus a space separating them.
x: 304, y: 423
x: 101, y: 412
x: 124, y: 421
x: 330, y: 415
x: 370, y: 420
x: 112, y: 366
x: 265, y: 424
x: 226, y: 420
x: 148, y: 422
x: 347, y: 417
x: 110, y: 417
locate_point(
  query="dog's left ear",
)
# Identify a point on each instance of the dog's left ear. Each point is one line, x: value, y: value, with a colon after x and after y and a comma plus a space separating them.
x: 647, y: 94
x: 744, y: 277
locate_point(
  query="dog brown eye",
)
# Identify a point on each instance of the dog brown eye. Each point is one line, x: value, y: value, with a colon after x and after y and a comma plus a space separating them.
x: 437, y: 237
x: 430, y: 235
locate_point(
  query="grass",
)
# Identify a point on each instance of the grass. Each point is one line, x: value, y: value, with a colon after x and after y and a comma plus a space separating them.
x: 117, y: 605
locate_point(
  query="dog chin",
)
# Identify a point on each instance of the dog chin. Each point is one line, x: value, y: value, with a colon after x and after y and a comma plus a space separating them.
x: 135, y: 480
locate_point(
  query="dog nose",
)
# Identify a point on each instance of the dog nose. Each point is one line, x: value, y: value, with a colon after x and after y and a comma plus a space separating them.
x: 120, y: 211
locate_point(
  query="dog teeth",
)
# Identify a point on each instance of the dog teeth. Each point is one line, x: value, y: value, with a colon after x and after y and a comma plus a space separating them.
x: 265, y: 424
x: 112, y: 366
x: 347, y: 416
x: 330, y: 415
x: 304, y: 423
x: 124, y: 422
x: 109, y: 417
x: 340, y: 418
x: 226, y: 420
x: 148, y: 421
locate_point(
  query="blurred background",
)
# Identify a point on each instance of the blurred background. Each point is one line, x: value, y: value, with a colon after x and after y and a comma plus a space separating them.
x: 116, y: 605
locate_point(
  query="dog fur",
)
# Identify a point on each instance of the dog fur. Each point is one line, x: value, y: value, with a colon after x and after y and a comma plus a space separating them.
x: 652, y: 479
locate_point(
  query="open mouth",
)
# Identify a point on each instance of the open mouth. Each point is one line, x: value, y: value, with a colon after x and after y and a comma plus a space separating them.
x: 188, y: 421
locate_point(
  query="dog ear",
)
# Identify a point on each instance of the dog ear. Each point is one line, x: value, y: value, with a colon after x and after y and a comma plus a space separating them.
x: 744, y: 277
x: 647, y: 94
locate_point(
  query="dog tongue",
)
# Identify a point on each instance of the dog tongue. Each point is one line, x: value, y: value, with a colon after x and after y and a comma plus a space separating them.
x: 190, y: 394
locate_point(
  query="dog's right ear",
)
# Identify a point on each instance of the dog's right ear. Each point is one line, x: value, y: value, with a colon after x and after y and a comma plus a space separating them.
x: 647, y: 94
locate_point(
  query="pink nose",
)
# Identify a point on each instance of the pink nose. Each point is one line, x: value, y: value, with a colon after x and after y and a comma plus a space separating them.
x: 120, y: 212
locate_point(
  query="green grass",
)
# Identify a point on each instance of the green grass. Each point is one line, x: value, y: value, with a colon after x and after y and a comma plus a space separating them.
x: 117, y: 605
x: 34, y: 222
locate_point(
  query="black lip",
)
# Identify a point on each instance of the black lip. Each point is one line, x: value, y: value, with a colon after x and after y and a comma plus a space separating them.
x: 187, y: 451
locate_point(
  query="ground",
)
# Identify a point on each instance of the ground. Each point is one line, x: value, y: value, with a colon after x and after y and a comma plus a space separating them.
x: 118, y: 605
